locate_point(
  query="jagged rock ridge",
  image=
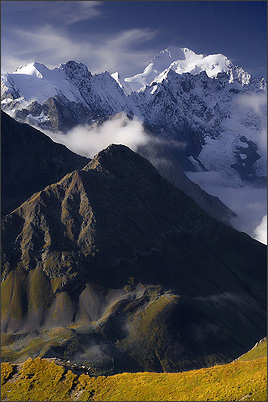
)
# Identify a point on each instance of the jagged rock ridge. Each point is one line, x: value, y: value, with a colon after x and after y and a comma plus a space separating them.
x: 202, y: 101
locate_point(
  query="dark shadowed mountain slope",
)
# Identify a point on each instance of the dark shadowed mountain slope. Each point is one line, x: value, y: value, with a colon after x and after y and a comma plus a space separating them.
x: 30, y: 161
x: 165, y: 159
x: 115, y: 267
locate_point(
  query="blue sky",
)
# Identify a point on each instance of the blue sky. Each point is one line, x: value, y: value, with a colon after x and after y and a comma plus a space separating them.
x: 125, y: 35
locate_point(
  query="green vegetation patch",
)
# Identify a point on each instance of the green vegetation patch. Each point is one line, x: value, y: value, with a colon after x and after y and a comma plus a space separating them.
x: 152, y: 312
x: 6, y: 339
x: 18, y: 299
x: 6, y: 293
x: 13, y: 295
x: 40, y: 293
x: 32, y: 347
x: 149, y: 333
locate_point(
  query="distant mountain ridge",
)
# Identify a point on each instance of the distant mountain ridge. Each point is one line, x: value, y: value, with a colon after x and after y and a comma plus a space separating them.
x: 184, y: 60
x: 217, y: 110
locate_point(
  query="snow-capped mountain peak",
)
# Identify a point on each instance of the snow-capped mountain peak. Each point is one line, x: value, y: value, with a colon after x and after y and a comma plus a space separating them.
x: 34, y: 69
x: 205, y: 102
x: 116, y: 77
x: 180, y: 60
x: 33, y: 90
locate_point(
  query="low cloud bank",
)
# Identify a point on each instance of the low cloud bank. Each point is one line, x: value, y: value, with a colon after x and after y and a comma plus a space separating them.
x: 253, y: 100
x: 248, y: 202
x: 261, y: 231
x: 257, y: 103
x: 88, y: 141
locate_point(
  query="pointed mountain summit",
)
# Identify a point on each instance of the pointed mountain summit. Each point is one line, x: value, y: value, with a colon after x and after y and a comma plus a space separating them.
x: 129, y: 269
x: 33, y: 68
x: 31, y: 160
x: 180, y: 60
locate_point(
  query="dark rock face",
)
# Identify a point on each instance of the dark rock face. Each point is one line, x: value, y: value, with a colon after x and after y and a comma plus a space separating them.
x: 245, y: 166
x: 134, y: 275
x: 165, y: 160
x: 59, y: 114
x: 47, y: 170
x: 30, y: 161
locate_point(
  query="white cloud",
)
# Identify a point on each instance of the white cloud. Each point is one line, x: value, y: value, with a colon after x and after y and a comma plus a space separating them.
x: 61, y: 12
x: 52, y: 46
x: 247, y: 201
x: 131, y: 36
x: 84, y: 10
x: 88, y: 141
x: 261, y: 231
x: 257, y: 103
x: 47, y: 44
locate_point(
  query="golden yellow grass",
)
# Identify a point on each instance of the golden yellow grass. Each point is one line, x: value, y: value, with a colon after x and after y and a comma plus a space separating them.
x: 255, y: 353
x: 41, y: 380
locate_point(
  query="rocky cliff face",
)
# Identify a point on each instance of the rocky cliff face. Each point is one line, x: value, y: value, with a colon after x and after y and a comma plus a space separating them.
x: 213, y: 117
x: 63, y: 97
x: 130, y: 270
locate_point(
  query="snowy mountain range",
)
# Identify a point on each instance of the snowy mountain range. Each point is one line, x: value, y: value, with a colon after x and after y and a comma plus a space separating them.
x: 183, y: 60
x: 214, y: 111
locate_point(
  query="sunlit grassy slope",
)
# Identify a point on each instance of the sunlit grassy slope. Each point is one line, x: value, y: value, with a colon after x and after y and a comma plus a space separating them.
x: 43, y: 380
x: 260, y: 350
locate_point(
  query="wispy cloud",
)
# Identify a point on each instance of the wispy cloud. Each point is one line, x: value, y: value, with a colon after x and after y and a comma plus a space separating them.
x: 51, y: 46
x: 60, y: 12
x: 84, y: 10
x: 119, y: 52
x: 47, y: 45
